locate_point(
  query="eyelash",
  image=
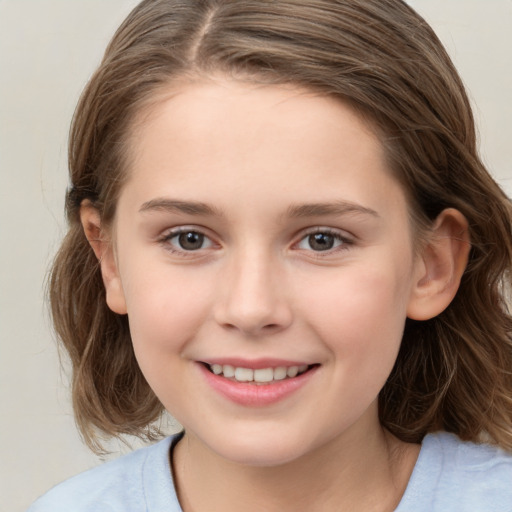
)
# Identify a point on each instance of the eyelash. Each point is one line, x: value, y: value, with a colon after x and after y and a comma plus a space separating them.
x: 165, y: 240
x: 344, y: 242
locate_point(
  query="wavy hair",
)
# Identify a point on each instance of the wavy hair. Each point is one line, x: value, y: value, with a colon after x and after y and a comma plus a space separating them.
x: 453, y: 372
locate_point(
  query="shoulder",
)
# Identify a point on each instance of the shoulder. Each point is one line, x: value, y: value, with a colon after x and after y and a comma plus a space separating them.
x: 451, y: 474
x: 459, y: 459
x: 140, y: 480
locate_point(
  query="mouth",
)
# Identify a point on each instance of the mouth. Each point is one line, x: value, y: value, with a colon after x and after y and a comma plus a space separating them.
x: 259, y: 383
x: 257, y: 376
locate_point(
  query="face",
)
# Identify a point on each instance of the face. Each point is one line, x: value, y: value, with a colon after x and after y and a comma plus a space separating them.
x: 264, y: 257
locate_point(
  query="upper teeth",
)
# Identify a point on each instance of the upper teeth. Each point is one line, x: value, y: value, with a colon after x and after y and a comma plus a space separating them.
x: 259, y: 375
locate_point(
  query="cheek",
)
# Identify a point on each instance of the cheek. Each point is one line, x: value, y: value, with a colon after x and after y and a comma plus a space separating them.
x: 164, y: 313
x: 164, y: 309
x: 361, y: 312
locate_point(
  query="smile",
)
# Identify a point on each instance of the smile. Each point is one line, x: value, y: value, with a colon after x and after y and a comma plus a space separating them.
x: 259, y: 383
x: 258, y: 376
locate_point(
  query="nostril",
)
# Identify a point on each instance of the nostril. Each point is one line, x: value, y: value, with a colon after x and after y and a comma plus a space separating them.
x: 229, y: 326
x: 252, y: 315
x: 267, y: 327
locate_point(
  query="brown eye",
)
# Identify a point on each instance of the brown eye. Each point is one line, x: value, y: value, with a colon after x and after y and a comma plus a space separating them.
x: 183, y: 241
x: 190, y: 240
x: 321, y: 241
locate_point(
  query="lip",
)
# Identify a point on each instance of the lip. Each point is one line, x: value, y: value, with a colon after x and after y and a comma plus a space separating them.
x: 255, y: 395
x: 254, y: 364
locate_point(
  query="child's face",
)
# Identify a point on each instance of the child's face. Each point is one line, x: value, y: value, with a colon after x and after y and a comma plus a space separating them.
x: 260, y: 228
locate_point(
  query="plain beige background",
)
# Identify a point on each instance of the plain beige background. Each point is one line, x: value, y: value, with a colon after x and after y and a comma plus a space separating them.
x: 48, y: 49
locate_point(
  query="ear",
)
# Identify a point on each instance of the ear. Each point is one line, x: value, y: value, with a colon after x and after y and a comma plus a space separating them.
x: 440, y: 266
x: 102, y: 247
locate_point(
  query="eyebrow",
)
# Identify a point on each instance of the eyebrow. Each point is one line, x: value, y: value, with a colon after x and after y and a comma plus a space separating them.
x: 163, y: 204
x: 334, y: 208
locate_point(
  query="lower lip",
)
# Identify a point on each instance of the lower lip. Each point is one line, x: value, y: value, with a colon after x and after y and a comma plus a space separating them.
x: 256, y: 395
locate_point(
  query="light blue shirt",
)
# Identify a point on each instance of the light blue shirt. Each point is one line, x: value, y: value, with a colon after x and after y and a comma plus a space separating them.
x: 449, y: 476
x: 454, y: 476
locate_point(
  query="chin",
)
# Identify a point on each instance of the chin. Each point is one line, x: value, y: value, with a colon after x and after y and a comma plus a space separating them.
x: 259, y: 450
x: 259, y: 456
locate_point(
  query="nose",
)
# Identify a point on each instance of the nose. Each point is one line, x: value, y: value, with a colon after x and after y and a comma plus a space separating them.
x: 252, y: 296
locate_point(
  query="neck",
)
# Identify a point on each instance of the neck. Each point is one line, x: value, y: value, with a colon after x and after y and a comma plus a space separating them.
x: 367, y: 473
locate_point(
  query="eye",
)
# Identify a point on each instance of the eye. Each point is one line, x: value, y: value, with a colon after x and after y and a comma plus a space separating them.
x: 324, y: 240
x: 187, y: 240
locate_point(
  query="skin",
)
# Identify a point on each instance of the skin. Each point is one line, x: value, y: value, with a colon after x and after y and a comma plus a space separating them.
x: 258, y: 288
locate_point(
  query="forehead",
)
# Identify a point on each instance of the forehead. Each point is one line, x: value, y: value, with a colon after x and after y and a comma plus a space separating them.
x: 203, y: 138
x: 188, y: 109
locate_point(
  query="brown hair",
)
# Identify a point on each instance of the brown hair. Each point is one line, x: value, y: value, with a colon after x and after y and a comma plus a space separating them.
x: 453, y: 372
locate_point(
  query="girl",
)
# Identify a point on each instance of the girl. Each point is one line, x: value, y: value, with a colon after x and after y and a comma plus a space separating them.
x: 281, y: 232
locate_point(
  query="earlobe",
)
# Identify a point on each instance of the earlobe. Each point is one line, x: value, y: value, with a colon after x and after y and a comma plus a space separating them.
x: 102, y: 247
x: 441, y: 266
